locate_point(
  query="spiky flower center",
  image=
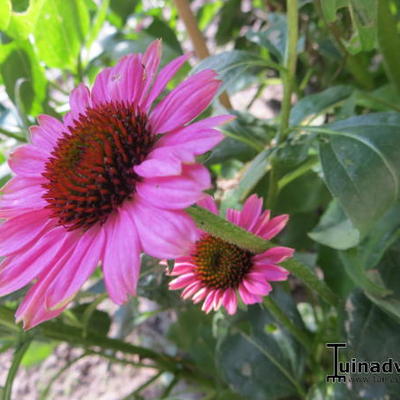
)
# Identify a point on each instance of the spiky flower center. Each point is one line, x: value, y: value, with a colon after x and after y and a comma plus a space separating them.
x: 221, y: 265
x: 90, y: 173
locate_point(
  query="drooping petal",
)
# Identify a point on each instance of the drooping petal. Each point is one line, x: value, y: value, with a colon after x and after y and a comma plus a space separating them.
x: 163, y: 233
x: 84, y: 259
x: 182, y: 281
x: 121, y: 265
x: 248, y: 297
x: 20, y: 232
x: 16, y: 272
x: 176, y: 192
x: 229, y: 301
x: 185, y: 102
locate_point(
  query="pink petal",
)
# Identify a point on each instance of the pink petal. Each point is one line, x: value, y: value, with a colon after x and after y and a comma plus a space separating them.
x: 28, y: 161
x: 200, y: 295
x: 185, y: 102
x: 21, y: 195
x: 20, y: 232
x: 275, y: 255
x: 80, y: 266
x: 233, y: 216
x: 273, y: 227
x: 18, y: 271
x: 271, y: 272
x: 262, y: 222
x: 247, y: 297
x: 163, y: 233
x: 182, y: 281
x: 126, y: 80
x: 208, y: 302
x: 121, y: 265
x: 79, y: 100
x: 32, y: 310
x: 190, y: 290
x: 151, y: 62
x: 251, y: 212
x: 218, y: 297
x: 194, y: 139
x: 162, y: 80
x: 176, y: 192
x: 46, y: 134
x: 208, y: 203
x: 160, y: 162
x: 100, y: 90
x: 182, y: 269
x: 256, y: 287
x: 229, y: 301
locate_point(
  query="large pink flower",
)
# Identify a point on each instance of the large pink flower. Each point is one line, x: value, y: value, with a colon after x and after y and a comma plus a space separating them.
x: 110, y: 181
x: 217, y: 271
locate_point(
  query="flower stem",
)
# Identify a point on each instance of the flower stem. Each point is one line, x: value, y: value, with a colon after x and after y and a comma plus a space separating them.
x: 220, y: 227
x: 13, y: 135
x: 290, y: 65
x: 299, y: 334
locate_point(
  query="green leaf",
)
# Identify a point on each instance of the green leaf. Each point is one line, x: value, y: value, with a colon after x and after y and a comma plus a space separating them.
x: 274, y: 38
x: 236, y: 68
x: 5, y: 14
x: 389, y: 42
x: 329, y: 391
x: 329, y: 8
x: 99, y: 322
x: 23, y: 23
x: 361, y: 166
x: 258, y: 358
x: 37, y: 352
x: 23, y: 76
x: 318, y: 103
x: 192, y: 333
x: 372, y: 336
x: 160, y: 30
x: 335, y: 229
x: 231, y: 20
x: 61, y: 32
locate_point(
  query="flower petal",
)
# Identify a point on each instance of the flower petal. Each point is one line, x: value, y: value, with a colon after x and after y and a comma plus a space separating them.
x: 275, y: 255
x: 176, y: 192
x: 84, y: 259
x: 162, y: 80
x: 163, y: 233
x: 185, y: 102
x: 46, y: 134
x: 28, y: 161
x: 121, y: 265
x: 251, y: 212
x: 20, y: 232
x: 100, y: 90
x: 208, y: 203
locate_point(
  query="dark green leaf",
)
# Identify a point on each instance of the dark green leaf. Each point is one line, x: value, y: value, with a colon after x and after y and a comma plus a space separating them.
x: 318, y: 103
x: 361, y: 165
x: 192, y: 333
x: 231, y: 20
x: 160, y: 30
x: 122, y: 9
x: 99, y: 322
x: 372, y: 336
x: 389, y: 41
x: 335, y: 229
x: 258, y: 358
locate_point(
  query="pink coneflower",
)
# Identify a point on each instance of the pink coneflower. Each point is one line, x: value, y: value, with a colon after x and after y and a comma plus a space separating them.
x: 217, y: 271
x: 110, y: 181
